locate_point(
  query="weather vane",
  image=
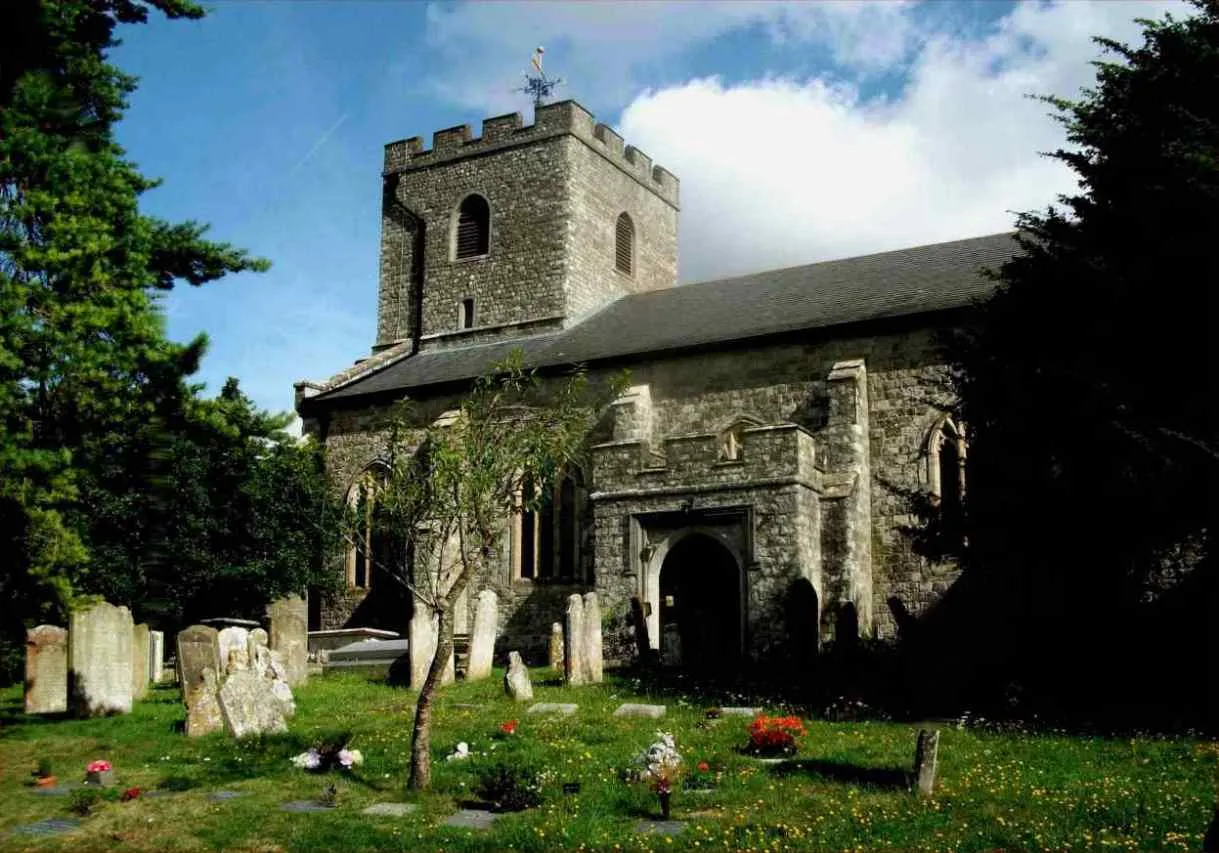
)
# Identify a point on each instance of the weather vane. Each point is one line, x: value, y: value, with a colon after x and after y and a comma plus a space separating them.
x: 538, y: 84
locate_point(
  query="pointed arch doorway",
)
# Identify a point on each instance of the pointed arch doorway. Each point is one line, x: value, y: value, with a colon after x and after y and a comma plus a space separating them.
x: 700, y: 606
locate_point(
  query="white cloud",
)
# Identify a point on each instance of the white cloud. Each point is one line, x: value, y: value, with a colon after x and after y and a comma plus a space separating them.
x: 786, y: 171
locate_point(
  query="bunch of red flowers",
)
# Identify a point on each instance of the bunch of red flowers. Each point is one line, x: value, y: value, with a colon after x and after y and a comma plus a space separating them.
x: 131, y: 794
x: 508, y: 728
x: 771, y: 735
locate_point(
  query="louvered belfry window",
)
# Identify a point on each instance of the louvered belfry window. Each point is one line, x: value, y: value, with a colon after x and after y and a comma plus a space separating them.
x: 624, y: 245
x: 473, y: 228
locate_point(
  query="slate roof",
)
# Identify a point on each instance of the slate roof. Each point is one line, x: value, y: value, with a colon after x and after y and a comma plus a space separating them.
x: 925, y: 279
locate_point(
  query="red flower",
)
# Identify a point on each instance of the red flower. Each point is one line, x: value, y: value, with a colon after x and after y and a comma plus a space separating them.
x: 704, y: 767
x: 508, y: 728
x: 99, y: 766
x: 775, y: 733
x: 131, y: 794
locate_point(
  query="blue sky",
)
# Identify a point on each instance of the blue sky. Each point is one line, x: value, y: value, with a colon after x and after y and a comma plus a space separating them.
x: 824, y: 129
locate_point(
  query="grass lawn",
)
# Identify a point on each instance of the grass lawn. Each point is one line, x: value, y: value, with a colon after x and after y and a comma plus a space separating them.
x: 1012, y: 790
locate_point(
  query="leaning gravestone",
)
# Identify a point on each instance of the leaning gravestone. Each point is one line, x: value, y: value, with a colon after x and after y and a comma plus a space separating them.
x: 290, y: 635
x: 594, y: 665
x: 422, y: 646
x: 156, y: 656
x: 234, y: 648
x: 46, y: 670
x: 574, y: 669
x: 556, y: 646
x: 139, y: 660
x: 198, y: 649
x: 249, y: 706
x: 516, y: 679
x: 925, y: 760
x: 203, y: 715
x: 482, y: 639
x: 99, y: 660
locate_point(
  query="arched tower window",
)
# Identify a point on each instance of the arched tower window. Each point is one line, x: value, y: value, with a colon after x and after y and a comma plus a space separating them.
x: 472, y: 231
x: 624, y: 245
x: 367, y: 546
x: 946, y: 448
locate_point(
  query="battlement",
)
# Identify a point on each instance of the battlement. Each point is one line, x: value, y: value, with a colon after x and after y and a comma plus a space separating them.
x: 565, y: 118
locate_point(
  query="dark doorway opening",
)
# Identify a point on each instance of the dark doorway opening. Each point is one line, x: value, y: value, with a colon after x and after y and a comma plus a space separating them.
x: 700, y: 606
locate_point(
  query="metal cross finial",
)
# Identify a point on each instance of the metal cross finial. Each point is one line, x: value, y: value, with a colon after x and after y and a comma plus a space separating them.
x: 538, y: 85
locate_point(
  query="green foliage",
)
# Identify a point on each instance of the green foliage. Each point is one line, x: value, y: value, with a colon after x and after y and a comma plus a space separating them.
x: 1086, y: 384
x: 510, y: 785
x: 84, y: 800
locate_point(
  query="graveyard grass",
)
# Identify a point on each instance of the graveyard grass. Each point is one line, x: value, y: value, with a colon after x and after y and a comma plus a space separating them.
x: 1010, y: 789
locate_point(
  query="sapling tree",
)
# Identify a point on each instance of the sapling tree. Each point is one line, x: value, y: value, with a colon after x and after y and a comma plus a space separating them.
x: 448, y: 487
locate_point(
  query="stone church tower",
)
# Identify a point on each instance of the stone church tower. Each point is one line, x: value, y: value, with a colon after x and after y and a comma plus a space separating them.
x: 749, y: 498
x: 519, y: 231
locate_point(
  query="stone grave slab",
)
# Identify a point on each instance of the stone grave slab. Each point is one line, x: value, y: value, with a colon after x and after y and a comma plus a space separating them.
x: 390, y: 809
x: 49, y: 826
x: 305, y: 806
x: 60, y: 790
x: 367, y: 653
x: 472, y: 819
x: 226, y: 795
x: 634, y: 709
x: 659, y: 827
x: 740, y: 712
x: 565, y: 708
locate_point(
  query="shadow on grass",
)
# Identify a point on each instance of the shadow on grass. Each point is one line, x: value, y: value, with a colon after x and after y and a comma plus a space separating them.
x: 892, y: 778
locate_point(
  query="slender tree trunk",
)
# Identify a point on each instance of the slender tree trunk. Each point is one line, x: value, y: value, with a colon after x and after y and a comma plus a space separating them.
x: 421, y: 737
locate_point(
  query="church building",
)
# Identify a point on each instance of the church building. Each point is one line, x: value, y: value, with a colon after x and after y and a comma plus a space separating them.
x: 754, y: 482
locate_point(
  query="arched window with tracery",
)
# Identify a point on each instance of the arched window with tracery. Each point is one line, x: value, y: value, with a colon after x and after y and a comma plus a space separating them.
x: 472, y: 228
x: 946, y: 448
x: 367, y: 547
x: 546, y: 538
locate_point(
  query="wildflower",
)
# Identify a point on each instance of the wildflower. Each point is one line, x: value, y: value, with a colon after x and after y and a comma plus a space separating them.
x: 349, y: 758
x: 508, y: 728
x: 704, y: 767
x: 131, y: 794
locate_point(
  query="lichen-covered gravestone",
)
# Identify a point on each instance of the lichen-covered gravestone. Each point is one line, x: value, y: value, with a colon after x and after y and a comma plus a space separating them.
x: 290, y: 636
x: 203, y: 714
x: 249, y: 706
x: 482, y: 639
x: 556, y: 646
x: 594, y: 665
x: 234, y: 648
x: 46, y: 670
x: 926, y: 761
x: 198, y: 649
x: 99, y: 660
x: 139, y: 660
x: 156, y: 656
x: 573, y: 642
x: 516, y: 680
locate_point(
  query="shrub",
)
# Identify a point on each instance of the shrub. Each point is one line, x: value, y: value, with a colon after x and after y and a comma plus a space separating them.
x: 775, y: 735
x: 84, y: 800
x: 510, y: 787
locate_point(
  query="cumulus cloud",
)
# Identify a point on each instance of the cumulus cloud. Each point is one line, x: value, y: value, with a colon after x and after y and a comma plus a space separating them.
x: 786, y: 171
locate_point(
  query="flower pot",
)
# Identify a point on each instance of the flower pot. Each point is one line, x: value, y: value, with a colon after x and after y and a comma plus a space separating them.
x: 103, y: 778
x: 45, y: 781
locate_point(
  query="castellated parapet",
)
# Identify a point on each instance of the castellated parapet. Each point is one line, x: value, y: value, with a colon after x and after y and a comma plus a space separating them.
x: 506, y: 131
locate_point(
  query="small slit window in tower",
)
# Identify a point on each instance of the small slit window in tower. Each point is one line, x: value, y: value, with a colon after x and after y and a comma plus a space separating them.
x: 473, y: 228
x: 624, y: 245
x: 467, y: 313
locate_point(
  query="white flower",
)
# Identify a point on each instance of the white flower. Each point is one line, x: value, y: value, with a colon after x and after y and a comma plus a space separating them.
x: 348, y: 758
x: 462, y: 751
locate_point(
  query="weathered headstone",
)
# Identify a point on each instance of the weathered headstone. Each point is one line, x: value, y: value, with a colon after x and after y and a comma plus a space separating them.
x: 203, y: 714
x: 926, y: 759
x: 633, y: 709
x: 156, y: 656
x: 234, y: 648
x: 198, y: 649
x: 46, y: 670
x: 556, y: 646
x: 573, y: 642
x: 516, y: 679
x: 594, y: 664
x: 139, y: 660
x: 421, y: 646
x: 482, y: 639
x: 99, y: 660
x: 248, y: 705
x: 290, y: 635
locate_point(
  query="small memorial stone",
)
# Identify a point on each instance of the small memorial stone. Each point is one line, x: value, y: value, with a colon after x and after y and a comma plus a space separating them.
x: 472, y: 819
x: 516, y: 679
x: 564, y: 708
x: 226, y: 795
x: 925, y: 760
x: 390, y: 809
x: 46, y: 670
x: 632, y: 709
x: 482, y: 639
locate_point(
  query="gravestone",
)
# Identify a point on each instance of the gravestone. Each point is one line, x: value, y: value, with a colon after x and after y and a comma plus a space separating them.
x: 234, y: 648
x: 390, y: 809
x: 594, y: 664
x: 249, y: 706
x: 659, y: 827
x: 633, y: 709
x: 472, y: 819
x: 573, y: 642
x: 421, y: 645
x: 203, y: 715
x: 643, y: 644
x: 926, y: 759
x: 198, y: 649
x: 556, y: 646
x: 139, y: 660
x: 46, y: 670
x: 516, y: 679
x: 290, y: 635
x: 99, y: 660
x: 156, y: 656
x: 482, y: 639
x: 740, y: 711
x: 564, y: 708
